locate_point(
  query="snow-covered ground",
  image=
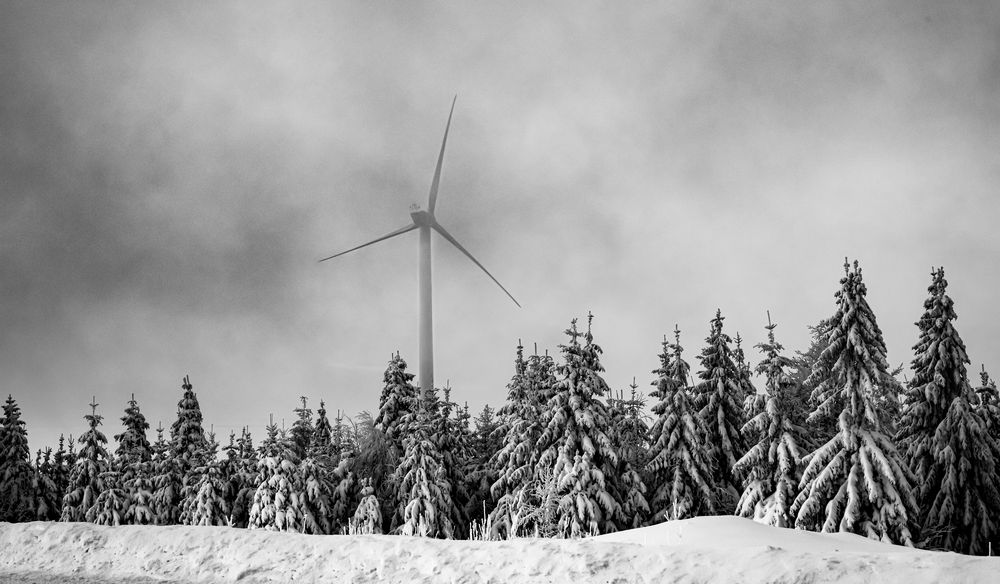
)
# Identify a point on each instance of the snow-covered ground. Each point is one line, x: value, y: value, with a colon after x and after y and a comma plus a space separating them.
x: 704, y: 550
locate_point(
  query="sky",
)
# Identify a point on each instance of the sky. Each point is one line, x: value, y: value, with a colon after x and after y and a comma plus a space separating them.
x: 170, y: 173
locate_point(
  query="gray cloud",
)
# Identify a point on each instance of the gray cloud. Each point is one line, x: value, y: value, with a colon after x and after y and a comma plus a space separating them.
x: 171, y: 173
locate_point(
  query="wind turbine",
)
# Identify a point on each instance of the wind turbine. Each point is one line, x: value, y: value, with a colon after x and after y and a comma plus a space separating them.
x: 425, y: 221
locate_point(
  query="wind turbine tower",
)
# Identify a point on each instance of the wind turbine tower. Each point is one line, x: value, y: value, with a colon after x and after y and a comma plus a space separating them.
x: 425, y: 221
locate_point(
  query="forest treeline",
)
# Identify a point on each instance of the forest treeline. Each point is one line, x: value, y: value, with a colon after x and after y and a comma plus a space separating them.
x: 833, y: 441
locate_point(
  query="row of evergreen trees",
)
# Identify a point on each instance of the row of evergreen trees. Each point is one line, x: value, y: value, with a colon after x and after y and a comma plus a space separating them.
x: 832, y: 442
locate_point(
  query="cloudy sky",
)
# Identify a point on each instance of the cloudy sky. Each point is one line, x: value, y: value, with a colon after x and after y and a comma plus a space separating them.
x: 171, y: 173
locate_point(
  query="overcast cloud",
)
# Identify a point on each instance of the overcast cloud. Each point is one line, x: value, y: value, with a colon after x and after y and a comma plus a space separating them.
x: 171, y: 172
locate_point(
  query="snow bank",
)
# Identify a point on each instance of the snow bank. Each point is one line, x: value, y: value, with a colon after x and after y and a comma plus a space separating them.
x: 707, y: 549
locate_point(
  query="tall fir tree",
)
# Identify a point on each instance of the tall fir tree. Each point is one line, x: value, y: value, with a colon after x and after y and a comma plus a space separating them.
x: 679, y: 471
x: 947, y: 442
x: 521, y: 424
x: 323, y: 442
x: 576, y: 444
x: 454, y: 441
x: 277, y: 501
x: 719, y: 398
x: 302, y: 429
x: 486, y: 441
x: 628, y: 435
x: 243, y: 480
x: 187, y: 434
x: 857, y: 482
x: 987, y: 402
x: 47, y: 501
x: 85, y: 481
x: 397, y: 404
x: 772, y: 466
x: 16, y: 474
x: 203, y: 499
x: 168, y: 480
x: 133, y: 446
x: 424, y: 495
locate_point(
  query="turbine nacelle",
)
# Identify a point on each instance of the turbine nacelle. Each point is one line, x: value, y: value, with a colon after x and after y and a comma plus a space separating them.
x: 421, y: 218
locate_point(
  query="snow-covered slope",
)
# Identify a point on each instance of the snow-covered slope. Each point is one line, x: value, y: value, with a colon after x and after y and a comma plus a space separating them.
x: 707, y: 549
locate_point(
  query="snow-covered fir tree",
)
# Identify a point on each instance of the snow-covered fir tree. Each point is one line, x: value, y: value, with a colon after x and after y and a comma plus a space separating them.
x: 168, y: 480
x: 514, y: 462
x: 397, y: 403
x: 204, y: 501
x: 679, y: 472
x: 316, y: 484
x: 424, y: 496
x: 187, y: 434
x: 987, y: 402
x: 277, y: 501
x: 744, y: 369
x: 367, y: 518
x: 857, y: 482
x: 323, y: 442
x: 16, y: 494
x: 243, y: 480
x: 302, y: 430
x: 112, y: 503
x: 139, y: 486
x: 575, y: 442
x: 719, y: 398
x: 376, y: 460
x: 947, y: 442
x: 47, y: 499
x: 628, y: 435
x: 133, y: 446
x: 61, y: 466
x: 345, y: 495
x: 807, y: 371
x: 85, y: 481
x: 772, y: 466
x: 453, y: 438
x: 486, y: 441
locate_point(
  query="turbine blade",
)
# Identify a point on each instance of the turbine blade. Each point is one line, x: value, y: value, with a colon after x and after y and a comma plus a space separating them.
x: 399, y: 231
x: 437, y: 171
x: 444, y: 233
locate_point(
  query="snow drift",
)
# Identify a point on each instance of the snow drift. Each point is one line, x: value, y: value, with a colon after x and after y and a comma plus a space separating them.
x: 705, y: 549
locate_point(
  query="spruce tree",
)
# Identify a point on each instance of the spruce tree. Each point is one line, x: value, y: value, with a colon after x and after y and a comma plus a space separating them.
x: 204, y: 501
x: 773, y: 465
x: 168, y: 480
x: 424, y: 495
x: 133, y: 446
x: 61, y: 465
x: 367, y: 518
x: 47, y: 501
x: 719, y: 399
x: 857, y: 482
x: 323, y: 442
x: 243, y: 480
x: 576, y: 444
x: 628, y: 435
x: 987, y: 402
x: 85, y: 481
x: 486, y: 441
x: 16, y: 474
x: 187, y: 434
x: 112, y: 503
x: 679, y: 472
x: 302, y: 430
x: 277, y: 501
x: 453, y: 438
x: 397, y: 404
x: 521, y: 424
x: 947, y: 443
